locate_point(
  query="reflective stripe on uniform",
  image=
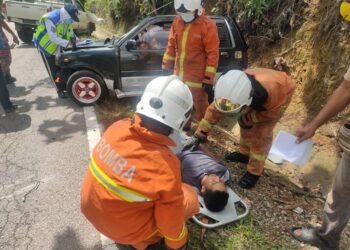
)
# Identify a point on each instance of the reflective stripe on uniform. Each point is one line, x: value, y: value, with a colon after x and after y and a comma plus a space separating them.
x: 210, y: 69
x: 181, y: 236
x: 254, y: 117
x: 245, y: 143
x: 168, y: 57
x: 183, y: 52
x: 122, y: 192
x: 258, y: 157
x: 205, y: 124
x: 283, y: 108
x: 194, y: 84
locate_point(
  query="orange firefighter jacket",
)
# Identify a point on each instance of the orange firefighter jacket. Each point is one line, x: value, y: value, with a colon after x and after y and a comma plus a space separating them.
x: 132, y: 189
x: 194, y: 49
x: 280, y: 89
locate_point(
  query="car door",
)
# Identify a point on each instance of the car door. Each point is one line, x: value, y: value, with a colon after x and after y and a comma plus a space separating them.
x: 141, y: 56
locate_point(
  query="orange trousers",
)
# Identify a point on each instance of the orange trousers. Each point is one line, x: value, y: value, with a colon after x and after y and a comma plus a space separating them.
x: 256, y: 143
x: 200, y: 102
x: 191, y: 205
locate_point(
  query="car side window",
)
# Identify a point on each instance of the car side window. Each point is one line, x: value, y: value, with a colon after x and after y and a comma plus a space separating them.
x: 154, y: 36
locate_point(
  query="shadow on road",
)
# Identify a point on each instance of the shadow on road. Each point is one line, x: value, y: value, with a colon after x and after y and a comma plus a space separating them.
x: 14, y: 122
x: 70, y: 240
x: 62, y: 129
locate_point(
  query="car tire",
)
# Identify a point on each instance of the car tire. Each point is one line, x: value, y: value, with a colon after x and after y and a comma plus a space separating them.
x: 26, y: 34
x: 86, y: 88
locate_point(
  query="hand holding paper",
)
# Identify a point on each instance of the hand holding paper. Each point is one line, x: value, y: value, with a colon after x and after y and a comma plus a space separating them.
x: 285, y: 146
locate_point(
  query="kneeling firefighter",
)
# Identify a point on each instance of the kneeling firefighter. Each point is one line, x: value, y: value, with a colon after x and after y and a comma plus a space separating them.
x: 132, y: 192
x: 260, y: 97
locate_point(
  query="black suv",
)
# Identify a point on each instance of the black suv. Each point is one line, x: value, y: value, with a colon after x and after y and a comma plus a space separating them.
x: 127, y: 63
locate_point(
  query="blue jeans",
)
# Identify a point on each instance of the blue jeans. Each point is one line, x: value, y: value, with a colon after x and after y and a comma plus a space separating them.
x: 4, y: 93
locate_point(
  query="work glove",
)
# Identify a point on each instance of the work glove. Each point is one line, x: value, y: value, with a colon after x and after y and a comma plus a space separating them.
x: 208, y: 88
x: 167, y: 72
x: 193, y: 142
x: 244, y: 122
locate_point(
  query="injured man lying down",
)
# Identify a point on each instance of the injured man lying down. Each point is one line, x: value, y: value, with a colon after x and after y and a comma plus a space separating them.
x: 207, y: 175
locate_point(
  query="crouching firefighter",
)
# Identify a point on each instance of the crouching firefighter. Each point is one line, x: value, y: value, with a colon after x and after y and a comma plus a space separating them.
x: 55, y: 30
x: 132, y: 192
x: 259, y: 97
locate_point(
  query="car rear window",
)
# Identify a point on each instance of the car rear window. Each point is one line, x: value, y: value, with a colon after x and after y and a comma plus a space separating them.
x: 224, y: 35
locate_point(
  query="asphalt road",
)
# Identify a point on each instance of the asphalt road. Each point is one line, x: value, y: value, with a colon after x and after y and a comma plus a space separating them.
x: 44, y: 153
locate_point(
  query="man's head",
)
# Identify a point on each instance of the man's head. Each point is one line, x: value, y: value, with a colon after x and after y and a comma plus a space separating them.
x: 188, y: 9
x: 167, y: 100
x: 72, y: 11
x: 214, y: 192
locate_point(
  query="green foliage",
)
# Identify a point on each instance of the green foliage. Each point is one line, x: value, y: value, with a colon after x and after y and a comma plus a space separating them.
x: 252, y: 8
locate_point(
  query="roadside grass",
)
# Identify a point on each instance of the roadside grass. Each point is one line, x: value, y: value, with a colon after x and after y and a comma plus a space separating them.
x: 243, y: 235
x: 112, y: 109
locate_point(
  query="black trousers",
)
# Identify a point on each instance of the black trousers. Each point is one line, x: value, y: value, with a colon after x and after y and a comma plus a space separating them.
x: 53, y: 70
x: 4, y: 93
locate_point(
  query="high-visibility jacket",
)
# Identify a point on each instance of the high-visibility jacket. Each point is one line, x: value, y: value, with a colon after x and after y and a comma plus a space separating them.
x: 132, y: 189
x: 280, y: 89
x: 193, y: 49
x: 41, y: 37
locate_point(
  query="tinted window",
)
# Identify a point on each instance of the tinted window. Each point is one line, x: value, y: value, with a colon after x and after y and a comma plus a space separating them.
x: 224, y: 35
x: 154, y: 36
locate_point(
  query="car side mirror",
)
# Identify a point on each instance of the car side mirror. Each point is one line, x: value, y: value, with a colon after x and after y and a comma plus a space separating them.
x: 131, y: 44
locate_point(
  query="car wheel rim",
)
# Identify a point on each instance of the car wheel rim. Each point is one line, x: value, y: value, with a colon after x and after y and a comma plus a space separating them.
x: 86, y: 90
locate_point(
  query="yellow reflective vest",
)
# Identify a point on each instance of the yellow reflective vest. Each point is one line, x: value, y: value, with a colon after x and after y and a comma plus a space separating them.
x: 41, y: 37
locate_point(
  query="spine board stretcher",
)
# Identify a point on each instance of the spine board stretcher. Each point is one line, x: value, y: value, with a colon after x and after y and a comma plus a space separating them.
x: 226, y: 216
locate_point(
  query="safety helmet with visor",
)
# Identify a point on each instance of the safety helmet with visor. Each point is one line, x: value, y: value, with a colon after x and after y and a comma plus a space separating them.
x: 188, y: 9
x: 233, y: 91
x: 167, y: 100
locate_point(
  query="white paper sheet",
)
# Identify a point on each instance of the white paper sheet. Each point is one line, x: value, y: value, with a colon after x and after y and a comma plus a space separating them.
x: 84, y: 42
x: 285, y: 146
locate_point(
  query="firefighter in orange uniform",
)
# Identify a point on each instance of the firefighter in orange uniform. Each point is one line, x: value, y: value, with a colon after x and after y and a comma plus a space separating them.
x: 193, y: 51
x: 132, y: 192
x: 260, y: 96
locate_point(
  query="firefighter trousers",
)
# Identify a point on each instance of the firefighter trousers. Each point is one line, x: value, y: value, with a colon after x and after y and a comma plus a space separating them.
x: 191, y: 207
x: 256, y: 143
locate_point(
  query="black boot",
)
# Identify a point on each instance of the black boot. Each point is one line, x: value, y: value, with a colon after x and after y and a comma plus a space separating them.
x: 248, y: 180
x: 9, y: 79
x: 61, y: 94
x: 237, y: 157
x: 11, y: 109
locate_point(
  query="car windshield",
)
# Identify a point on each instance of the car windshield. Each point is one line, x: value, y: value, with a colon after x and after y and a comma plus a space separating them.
x: 141, y: 23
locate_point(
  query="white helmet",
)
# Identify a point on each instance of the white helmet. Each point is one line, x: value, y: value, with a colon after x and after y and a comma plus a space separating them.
x: 167, y: 100
x: 233, y: 91
x: 183, y: 6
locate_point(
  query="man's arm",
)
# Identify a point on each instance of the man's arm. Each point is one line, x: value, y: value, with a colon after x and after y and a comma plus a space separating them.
x: 211, y: 43
x: 7, y: 28
x: 336, y: 103
x: 51, y: 31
